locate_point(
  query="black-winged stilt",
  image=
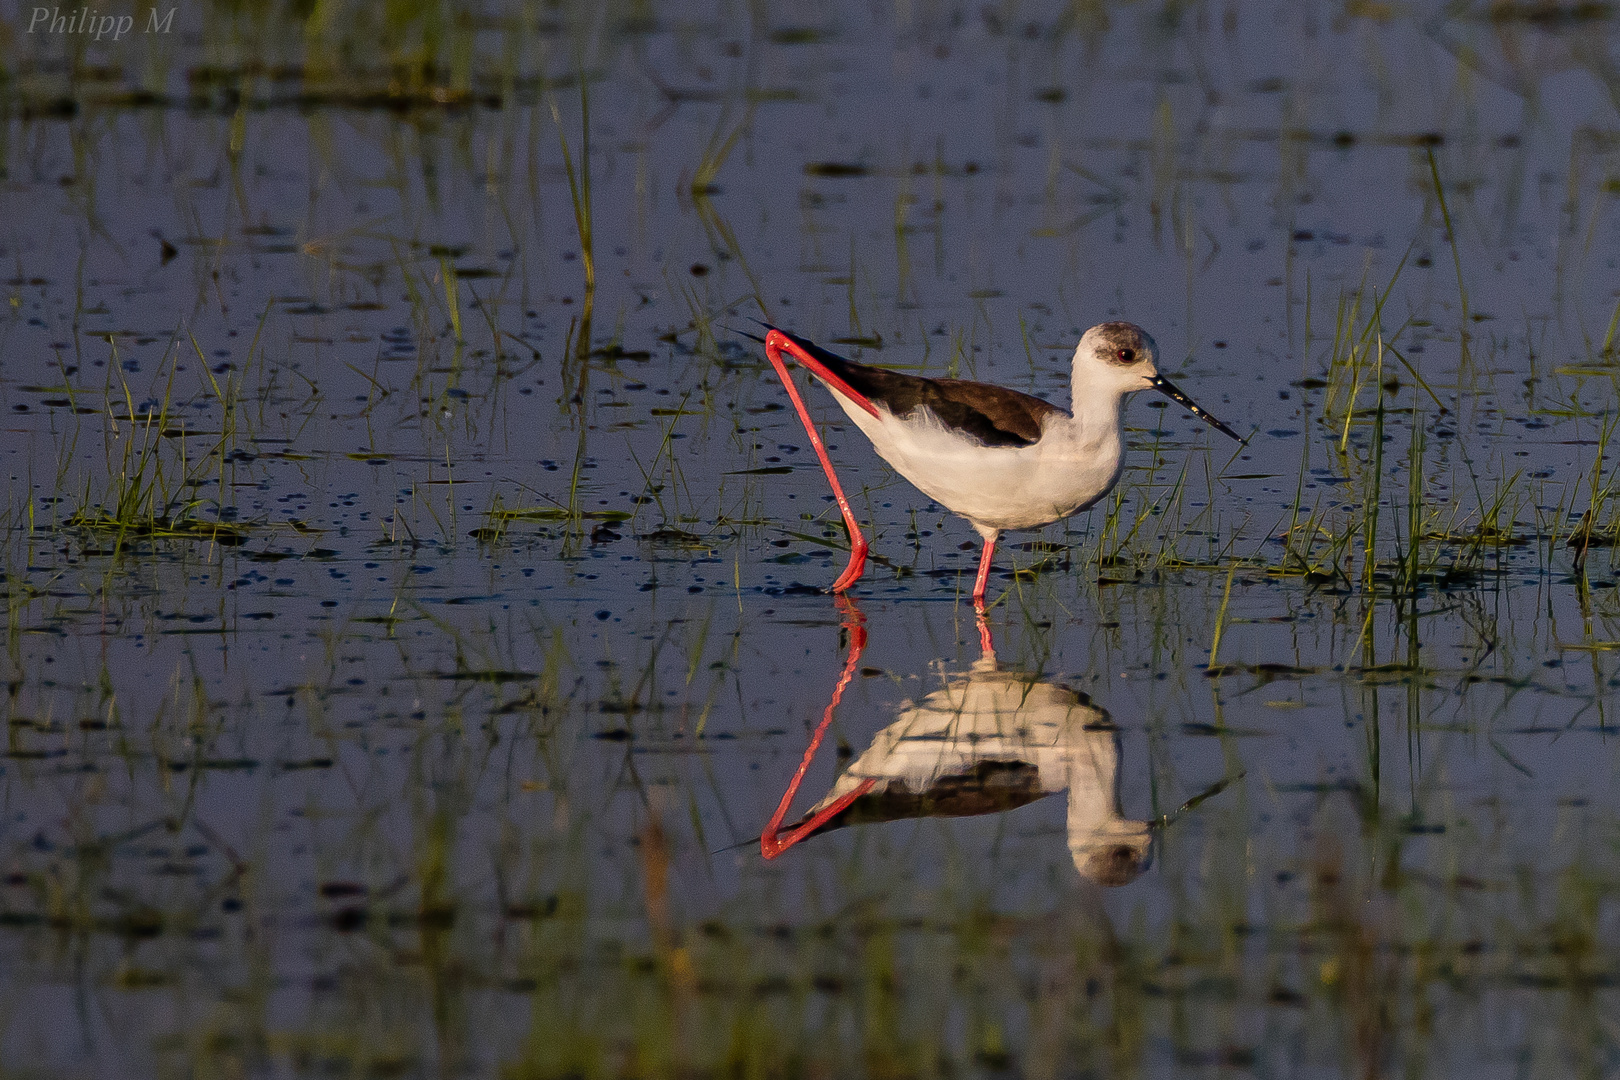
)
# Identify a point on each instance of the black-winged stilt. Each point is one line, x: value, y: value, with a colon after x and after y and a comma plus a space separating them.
x: 1000, y: 458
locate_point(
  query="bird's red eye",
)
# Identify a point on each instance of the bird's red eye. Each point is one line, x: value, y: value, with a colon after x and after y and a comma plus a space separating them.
x: 1126, y: 355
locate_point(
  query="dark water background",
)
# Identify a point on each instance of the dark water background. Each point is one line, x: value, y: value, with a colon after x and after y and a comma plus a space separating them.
x: 401, y: 632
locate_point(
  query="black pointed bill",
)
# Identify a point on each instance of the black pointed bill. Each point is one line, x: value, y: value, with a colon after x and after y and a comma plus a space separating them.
x: 1168, y: 389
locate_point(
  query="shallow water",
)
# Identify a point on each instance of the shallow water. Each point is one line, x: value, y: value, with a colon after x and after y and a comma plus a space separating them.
x: 407, y: 645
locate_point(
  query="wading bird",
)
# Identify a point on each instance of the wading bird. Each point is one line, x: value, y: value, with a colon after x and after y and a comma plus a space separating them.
x: 1000, y: 458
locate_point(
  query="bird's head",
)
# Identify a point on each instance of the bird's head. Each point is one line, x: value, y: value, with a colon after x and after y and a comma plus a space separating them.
x: 1117, y: 355
x: 1122, y: 358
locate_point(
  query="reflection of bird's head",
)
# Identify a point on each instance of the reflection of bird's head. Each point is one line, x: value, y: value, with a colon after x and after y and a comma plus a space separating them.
x: 1107, y: 846
x: 1115, y: 860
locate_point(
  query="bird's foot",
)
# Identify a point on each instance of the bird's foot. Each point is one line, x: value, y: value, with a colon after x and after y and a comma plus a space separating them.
x: 857, y: 566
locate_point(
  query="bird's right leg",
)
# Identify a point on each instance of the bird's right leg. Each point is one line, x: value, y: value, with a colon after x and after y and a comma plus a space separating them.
x: 776, y: 343
x: 983, y: 579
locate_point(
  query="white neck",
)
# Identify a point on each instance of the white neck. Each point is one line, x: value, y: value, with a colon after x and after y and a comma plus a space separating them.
x: 1097, y: 407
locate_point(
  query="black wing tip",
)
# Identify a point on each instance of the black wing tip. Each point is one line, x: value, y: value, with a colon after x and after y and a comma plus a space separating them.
x: 768, y: 327
x: 744, y: 333
x: 826, y: 356
x: 735, y: 847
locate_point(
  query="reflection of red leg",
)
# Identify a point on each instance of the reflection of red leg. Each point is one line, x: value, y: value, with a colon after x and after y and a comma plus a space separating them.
x: 987, y: 645
x: 776, y: 343
x: 771, y: 843
x: 984, y: 570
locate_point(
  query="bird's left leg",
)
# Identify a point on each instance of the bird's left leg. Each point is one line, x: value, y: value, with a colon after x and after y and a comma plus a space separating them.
x: 771, y: 842
x: 776, y: 343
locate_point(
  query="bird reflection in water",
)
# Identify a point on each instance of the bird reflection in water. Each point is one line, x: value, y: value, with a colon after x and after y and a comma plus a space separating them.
x: 988, y: 741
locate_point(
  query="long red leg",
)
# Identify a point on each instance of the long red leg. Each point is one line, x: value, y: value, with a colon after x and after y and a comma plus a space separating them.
x: 771, y: 842
x: 775, y: 343
x: 984, y: 571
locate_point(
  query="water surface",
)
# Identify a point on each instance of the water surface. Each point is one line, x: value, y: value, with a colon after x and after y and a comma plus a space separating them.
x: 415, y: 616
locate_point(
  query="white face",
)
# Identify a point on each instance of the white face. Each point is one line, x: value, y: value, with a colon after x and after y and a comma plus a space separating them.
x: 1121, y: 357
x: 1117, y: 354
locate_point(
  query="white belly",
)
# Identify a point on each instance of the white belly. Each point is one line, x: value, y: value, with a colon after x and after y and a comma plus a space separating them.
x: 1001, y: 487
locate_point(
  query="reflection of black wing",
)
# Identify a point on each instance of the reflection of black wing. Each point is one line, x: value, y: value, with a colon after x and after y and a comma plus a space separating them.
x: 990, y: 787
x: 992, y: 415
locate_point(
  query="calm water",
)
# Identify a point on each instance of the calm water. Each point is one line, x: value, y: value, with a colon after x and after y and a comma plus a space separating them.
x: 407, y: 644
